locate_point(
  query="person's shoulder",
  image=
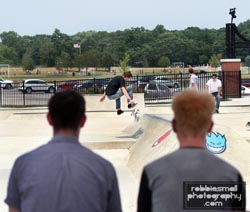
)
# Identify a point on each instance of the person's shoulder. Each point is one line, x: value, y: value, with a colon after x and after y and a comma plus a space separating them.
x: 118, y: 77
x: 96, y: 158
x: 210, y: 80
x: 162, y: 160
x: 194, y: 76
x: 30, y: 154
x: 220, y: 163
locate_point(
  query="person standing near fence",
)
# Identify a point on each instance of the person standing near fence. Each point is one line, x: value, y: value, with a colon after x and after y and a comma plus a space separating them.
x: 213, y: 86
x: 193, y: 84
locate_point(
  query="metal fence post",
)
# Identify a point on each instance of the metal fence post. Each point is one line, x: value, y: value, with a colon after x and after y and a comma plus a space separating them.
x: 1, y: 96
x: 23, y: 93
x: 137, y: 83
x: 94, y: 84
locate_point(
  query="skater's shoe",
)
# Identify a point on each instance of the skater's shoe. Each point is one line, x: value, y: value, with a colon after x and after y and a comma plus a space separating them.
x: 131, y: 105
x: 119, y: 112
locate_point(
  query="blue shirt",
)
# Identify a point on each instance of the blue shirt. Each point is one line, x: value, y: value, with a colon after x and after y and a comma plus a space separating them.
x: 63, y: 176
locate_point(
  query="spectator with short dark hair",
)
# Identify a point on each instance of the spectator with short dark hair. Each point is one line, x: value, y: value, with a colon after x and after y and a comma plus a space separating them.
x: 63, y: 175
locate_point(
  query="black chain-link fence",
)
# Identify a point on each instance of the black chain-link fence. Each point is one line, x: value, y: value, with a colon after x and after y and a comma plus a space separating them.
x: 156, y: 88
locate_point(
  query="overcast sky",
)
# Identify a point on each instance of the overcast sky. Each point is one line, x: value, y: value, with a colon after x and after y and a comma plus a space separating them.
x: 31, y: 17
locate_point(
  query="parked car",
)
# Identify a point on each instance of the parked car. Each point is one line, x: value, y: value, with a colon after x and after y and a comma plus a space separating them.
x: 90, y: 83
x: 141, y: 85
x: 140, y: 82
x: 165, y: 81
x: 134, y: 83
x: 35, y: 85
x: 245, y: 82
x: 146, y: 78
x: 157, y: 90
x: 67, y: 85
x: 7, y: 84
x: 245, y: 90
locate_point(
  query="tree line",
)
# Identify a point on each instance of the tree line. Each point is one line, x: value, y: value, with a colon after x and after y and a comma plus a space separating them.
x: 146, y: 48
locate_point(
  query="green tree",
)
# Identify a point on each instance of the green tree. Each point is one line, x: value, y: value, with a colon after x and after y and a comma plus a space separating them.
x: 78, y: 61
x: 123, y: 66
x: 203, y: 59
x: 62, y: 43
x: 59, y: 64
x: 47, y: 52
x: 15, y: 41
x: 90, y: 59
x: 66, y: 61
x: 107, y: 59
x: 159, y: 29
x: 214, y: 61
x: 10, y: 38
x: 8, y: 55
x: 164, y: 62
x: 27, y: 62
x: 145, y: 63
x: 192, y: 46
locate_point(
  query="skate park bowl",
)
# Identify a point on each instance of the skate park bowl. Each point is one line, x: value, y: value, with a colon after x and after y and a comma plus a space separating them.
x: 128, y: 144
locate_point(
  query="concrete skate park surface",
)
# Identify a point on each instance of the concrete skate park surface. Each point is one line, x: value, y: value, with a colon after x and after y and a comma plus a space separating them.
x: 128, y: 144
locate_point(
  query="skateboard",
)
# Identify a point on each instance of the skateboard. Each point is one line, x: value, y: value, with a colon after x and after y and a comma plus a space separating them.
x: 135, y: 113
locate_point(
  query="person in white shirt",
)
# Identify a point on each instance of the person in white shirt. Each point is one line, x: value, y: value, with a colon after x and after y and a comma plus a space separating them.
x: 193, y: 80
x: 213, y: 86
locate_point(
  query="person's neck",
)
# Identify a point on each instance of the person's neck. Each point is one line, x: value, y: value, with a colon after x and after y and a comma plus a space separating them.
x: 68, y: 132
x: 197, y: 141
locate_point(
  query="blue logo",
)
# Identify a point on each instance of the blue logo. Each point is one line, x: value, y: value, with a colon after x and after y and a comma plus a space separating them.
x: 216, y: 143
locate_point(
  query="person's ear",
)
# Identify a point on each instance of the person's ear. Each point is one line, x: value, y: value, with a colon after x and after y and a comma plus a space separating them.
x: 49, y: 119
x: 83, y: 121
x: 174, y: 125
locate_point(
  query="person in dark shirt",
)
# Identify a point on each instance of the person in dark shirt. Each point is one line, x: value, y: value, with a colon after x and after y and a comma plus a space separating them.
x: 162, y: 185
x: 117, y: 88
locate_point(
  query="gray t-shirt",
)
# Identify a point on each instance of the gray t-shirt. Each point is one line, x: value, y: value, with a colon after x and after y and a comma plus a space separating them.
x: 161, y: 188
x: 63, y: 176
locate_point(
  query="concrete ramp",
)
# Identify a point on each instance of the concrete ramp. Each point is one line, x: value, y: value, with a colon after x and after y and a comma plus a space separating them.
x: 155, y: 138
x: 237, y: 151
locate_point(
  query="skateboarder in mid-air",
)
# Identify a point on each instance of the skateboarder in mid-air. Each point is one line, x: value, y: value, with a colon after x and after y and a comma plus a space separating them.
x: 116, y: 88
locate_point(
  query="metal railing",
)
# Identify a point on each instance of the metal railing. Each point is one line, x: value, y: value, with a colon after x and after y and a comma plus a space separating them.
x: 157, y: 88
